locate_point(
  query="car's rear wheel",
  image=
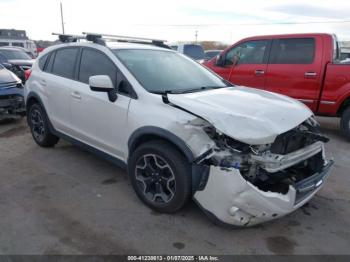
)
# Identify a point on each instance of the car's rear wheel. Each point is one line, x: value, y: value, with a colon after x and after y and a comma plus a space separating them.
x: 161, y: 176
x: 345, y: 123
x: 39, y: 127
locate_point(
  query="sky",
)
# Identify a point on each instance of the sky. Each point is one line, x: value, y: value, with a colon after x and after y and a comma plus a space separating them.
x: 177, y: 20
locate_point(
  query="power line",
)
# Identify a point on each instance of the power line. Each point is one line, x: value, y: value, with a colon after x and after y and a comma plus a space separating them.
x: 248, y: 24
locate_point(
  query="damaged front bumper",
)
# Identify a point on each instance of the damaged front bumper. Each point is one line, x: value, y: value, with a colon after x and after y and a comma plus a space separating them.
x: 11, y: 103
x: 231, y: 199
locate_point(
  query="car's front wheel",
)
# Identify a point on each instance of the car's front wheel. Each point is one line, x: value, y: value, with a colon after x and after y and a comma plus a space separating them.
x: 39, y: 126
x: 161, y: 176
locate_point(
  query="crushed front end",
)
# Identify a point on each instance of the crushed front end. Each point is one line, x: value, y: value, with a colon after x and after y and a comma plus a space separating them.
x: 250, y: 184
x: 11, y: 100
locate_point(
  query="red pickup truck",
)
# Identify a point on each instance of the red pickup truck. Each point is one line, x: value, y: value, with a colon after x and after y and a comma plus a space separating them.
x: 303, y: 66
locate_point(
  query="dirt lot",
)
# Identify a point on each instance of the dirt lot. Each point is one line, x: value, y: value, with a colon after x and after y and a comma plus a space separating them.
x: 67, y: 201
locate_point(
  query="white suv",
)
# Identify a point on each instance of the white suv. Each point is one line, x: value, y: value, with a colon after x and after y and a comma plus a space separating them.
x: 244, y: 155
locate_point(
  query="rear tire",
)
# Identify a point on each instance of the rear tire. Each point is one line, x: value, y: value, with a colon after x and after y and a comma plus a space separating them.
x: 160, y: 176
x: 39, y: 126
x: 345, y: 123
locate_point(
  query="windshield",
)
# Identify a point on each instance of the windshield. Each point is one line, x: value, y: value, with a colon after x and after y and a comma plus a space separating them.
x: 194, y: 51
x: 167, y: 72
x: 15, y: 54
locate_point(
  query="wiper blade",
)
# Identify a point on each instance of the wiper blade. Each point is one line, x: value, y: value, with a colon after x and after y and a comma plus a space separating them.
x: 202, y: 88
x: 164, y: 92
x: 184, y: 91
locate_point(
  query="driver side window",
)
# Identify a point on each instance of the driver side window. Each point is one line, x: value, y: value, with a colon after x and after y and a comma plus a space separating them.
x: 252, y: 52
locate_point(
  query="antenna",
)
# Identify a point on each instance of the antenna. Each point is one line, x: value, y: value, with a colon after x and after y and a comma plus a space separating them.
x: 62, y: 18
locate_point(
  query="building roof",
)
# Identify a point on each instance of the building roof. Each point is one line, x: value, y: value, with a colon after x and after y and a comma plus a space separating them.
x: 13, y: 34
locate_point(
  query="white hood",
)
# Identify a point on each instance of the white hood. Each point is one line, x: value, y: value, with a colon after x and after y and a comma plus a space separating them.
x: 249, y: 115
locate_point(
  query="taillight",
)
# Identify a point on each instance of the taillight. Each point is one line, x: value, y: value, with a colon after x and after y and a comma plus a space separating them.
x: 27, y: 74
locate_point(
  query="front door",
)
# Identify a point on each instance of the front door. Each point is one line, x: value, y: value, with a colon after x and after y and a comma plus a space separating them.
x: 250, y: 67
x: 95, y: 119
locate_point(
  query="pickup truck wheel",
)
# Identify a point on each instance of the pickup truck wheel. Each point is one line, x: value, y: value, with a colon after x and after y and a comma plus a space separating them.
x: 39, y: 127
x: 160, y: 176
x: 345, y: 123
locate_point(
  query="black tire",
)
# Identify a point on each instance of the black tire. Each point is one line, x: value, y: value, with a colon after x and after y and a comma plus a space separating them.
x: 39, y: 126
x: 345, y: 123
x: 174, y: 175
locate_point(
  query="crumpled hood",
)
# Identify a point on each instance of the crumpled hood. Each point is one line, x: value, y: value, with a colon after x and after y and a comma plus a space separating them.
x: 246, y: 114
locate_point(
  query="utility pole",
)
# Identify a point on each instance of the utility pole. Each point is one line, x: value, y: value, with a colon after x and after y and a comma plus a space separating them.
x: 62, y: 17
x: 196, y: 35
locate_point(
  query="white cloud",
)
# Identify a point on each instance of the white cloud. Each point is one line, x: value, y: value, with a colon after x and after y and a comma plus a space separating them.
x: 221, y: 20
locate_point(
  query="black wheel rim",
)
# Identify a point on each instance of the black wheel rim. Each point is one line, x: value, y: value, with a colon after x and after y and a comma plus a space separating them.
x: 155, y: 178
x: 37, y: 124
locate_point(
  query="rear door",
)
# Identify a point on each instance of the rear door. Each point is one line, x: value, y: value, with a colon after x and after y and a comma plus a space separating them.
x: 294, y: 68
x: 251, y: 66
x: 57, y: 80
x: 95, y: 119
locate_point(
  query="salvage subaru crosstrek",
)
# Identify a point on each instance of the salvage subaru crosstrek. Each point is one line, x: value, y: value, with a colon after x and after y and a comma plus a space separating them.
x: 245, y: 156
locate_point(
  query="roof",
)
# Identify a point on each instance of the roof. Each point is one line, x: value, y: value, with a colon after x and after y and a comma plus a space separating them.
x: 287, y: 35
x: 111, y: 45
x: 17, y: 48
x: 13, y: 34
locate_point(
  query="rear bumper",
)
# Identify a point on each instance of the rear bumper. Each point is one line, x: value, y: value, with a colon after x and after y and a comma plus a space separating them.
x: 230, y: 199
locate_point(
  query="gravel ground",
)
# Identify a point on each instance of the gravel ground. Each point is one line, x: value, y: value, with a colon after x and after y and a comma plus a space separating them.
x: 67, y: 201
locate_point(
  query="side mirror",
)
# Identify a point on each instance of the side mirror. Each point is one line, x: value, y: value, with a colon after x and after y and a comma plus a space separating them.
x: 101, y: 83
x: 219, y: 60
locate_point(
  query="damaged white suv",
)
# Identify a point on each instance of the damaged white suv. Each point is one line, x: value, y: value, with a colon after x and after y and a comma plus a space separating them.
x: 245, y: 156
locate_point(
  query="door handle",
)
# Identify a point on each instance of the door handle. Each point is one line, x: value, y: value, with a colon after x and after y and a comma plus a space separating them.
x: 310, y: 74
x: 259, y: 72
x: 76, y: 95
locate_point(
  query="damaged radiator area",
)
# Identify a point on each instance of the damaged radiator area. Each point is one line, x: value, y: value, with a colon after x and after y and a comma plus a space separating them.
x: 293, y: 157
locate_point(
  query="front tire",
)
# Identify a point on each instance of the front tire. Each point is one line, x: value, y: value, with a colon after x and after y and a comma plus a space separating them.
x: 345, y: 123
x: 160, y: 176
x: 39, y: 127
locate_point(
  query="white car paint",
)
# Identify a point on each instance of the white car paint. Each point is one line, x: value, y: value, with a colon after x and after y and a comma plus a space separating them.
x: 248, y: 115
x: 235, y: 201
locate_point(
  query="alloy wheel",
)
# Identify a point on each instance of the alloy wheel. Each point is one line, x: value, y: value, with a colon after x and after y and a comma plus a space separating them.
x: 155, y: 178
x: 37, y: 124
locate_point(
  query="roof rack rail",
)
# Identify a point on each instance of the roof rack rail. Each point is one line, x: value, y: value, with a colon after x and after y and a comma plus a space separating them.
x: 128, y: 39
x: 65, y: 38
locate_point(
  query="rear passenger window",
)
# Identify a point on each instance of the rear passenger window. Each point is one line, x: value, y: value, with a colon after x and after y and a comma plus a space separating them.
x: 293, y: 51
x: 95, y: 63
x: 64, y: 62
